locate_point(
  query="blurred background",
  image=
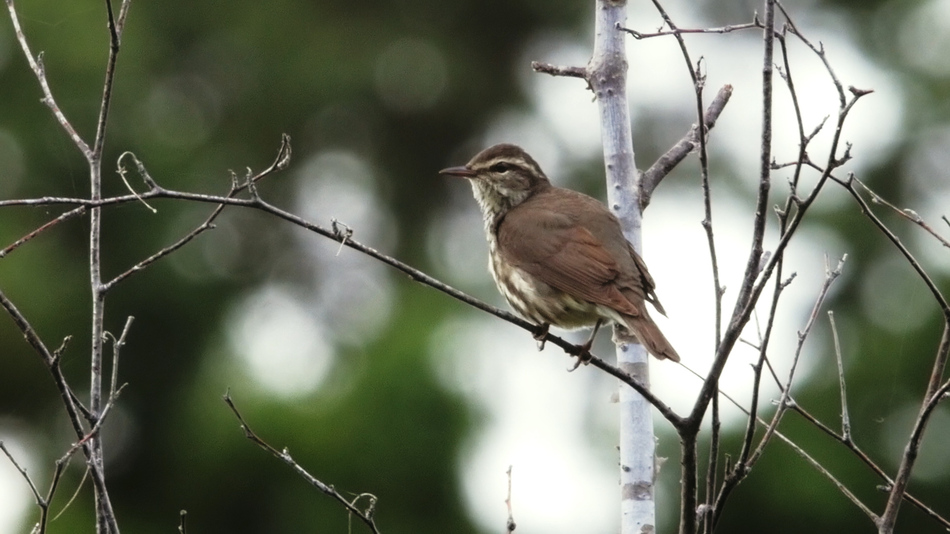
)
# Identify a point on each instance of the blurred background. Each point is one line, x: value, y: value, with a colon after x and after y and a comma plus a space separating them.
x: 380, y: 385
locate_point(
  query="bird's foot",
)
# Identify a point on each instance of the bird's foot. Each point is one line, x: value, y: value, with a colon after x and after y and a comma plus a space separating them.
x: 541, y: 335
x: 585, y: 356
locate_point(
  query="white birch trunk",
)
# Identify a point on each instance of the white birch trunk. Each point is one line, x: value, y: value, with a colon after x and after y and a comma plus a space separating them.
x: 607, y: 75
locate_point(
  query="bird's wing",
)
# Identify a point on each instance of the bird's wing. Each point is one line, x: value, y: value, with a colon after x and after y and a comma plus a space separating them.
x: 552, y: 248
x: 645, y: 281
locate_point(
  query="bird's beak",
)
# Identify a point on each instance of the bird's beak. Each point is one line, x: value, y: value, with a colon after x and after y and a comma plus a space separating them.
x: 461, y: 172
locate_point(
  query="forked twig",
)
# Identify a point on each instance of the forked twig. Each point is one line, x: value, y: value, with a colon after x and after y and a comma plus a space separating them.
x: 811, y: 461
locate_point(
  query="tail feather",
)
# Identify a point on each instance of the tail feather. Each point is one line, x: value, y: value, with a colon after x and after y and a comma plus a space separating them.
x: 644, y: 330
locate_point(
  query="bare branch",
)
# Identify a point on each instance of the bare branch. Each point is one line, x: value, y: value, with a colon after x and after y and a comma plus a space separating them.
x: 750, y: 288
x: 651, y: 178
x: 680, y: 31
x: 64, y: 217
x: 201, y: 228
x: 510, y: 524
x: 850, y: 445
x: 105, y: 105
x: 281, y: 161
x: 364, y: 515
x: 803, y: 140
x: 934, y: 394
x: 861, y: 455
x: 40, y: 501
x: 36, y: 65
x: 819, y: 51
x: 555, y: 70
x: 827, y: 474
x: 746, y: 459
x: 908, y: 214
x: 845, y: 418
x: 892, y: 237
x: 830, y: 277
x: 52, y: 364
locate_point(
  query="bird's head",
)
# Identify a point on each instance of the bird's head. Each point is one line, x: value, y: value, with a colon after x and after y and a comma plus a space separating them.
x: 502, y: 177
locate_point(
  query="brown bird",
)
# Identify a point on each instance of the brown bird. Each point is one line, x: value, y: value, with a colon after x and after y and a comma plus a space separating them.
x: 558, y: 256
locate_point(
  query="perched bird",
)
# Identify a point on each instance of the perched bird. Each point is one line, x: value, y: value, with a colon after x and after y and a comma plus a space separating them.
x: 558, y: 256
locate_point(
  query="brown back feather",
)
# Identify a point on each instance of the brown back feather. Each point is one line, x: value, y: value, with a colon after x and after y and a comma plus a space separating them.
x: 591, y: 262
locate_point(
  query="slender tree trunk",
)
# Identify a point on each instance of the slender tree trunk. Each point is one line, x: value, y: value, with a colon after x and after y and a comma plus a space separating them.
x: 607, y: 75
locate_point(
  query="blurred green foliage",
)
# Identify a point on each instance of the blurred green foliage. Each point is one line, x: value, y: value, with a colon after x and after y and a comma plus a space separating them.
x: 204, y: 87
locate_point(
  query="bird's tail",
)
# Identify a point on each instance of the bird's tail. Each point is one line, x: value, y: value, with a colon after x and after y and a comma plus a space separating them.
x: 642, y: 329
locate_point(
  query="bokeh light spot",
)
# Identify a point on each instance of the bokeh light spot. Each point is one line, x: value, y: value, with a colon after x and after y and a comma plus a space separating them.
x: 285, y: 350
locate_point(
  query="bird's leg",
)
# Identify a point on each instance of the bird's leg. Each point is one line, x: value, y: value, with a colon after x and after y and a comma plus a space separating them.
x: 585, y: 355
x: 541, y: 335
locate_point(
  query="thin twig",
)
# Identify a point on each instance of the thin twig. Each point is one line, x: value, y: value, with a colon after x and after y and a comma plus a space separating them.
x: 281, y: 162
x: 555, y: 70
x: 82, y: 482
x: 364, y: 515
x: 803, y: 140
x: 811, y: 461
x: 830, y: 277
x: 934, y: 394
x: 748, y: 457
x: 750, y: 289
x: 680, y: 31
x: 818, y: 50
x: 40, y: 501
x: 105, y: 105
x: 827, y: 474
x: 741, y: 467
x: 908, y: 214
x: 845, y: 418
x: 510, y: 524
x: 116, y: 348
x: 857, y: 451
x: 58, y: 470
x: 845, y: 437
x: 36, y: 65
x: 64, y: 217
x: 651, y: 178
x: 94, y: 431
x: 140, y: 266
x: 51, y: 360
x: 689, y: 461
x: 114, y: 389
x: 896, y: 241
x: 43, y: 503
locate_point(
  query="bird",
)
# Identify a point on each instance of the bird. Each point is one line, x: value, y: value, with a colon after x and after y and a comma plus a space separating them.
x: 558, y: 256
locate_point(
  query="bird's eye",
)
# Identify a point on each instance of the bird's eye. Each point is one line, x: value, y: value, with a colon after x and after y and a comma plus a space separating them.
x: 500, y: 167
